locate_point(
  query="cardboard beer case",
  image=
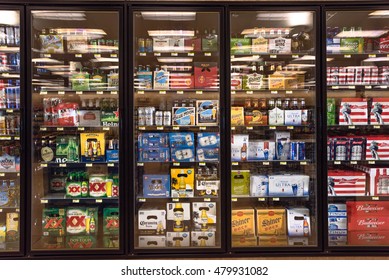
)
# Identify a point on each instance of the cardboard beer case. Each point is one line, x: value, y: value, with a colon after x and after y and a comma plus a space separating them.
x: 151, y: 221
x: 377, y: 147
x: 259, y: 185
x: 237, y: 116
x: 156, y: 185
x: 240, y: 182
x: 151, y: 241
x: 299, y: 222
x: 184, y: 116
x: 92, y: 147
x: 244, y: 241
x: 206, y: 75
x: 183, y: 177
x: 346, y: 183
x: 54, y: 222
x: 243, y: 222
x: 368, y: 223
x: 180, y: 219
x: 210, y: 210
x: 153, y: 140
x: 272, y: 240
x: 337, y: 240
x: 203, y: 239
x: 12, y: 227
x: 178, y: 239
x: 240, y: 46
x: 379, y: 111
x: 81, y: 242
x: 208, y: 140
x: 207, y: 112
x: 238, y: 141
x: 111, y: 221
x: 271, y: 221
x: 111, y: 241
x: 207, y: 188
x: 76, y: 223
x: 368, y: 238
x: 353, y: 111
x: 298, y: 241
x: 367, y: 208
x: 288, y: 185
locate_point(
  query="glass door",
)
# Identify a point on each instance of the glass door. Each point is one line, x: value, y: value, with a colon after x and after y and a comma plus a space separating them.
x: 273, y: 129
x: 10, y: 123
x: 176, y: 93
x: 75, y: 133
x: 357, y: 127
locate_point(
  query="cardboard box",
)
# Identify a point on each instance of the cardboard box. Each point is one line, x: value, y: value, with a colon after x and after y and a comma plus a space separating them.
x: 331, y: 111
x: 292, y: 117
x: 77, y: 44
x: 377, y: 147
x: 368, y: 223
x: 261, y: 150
x: 181, y: 81
x: 367, y: 208
x: 236, y: 81
x: 259, y: 185
x: 53, y: 222
x: 51, y: 43
x: 178, y: 217
x: 298, y: 241
x: 92, y: 147
x: 204, y: 215
x: 337, y: 210
x: 259, y: 45
x: 272, y: 240
x: 3, y: 230
x: 378, y: 179
x: 299, y: 222
x: 143, y: 80
x: 209, y: 42
x: 12, y: 226
x: 208, y: 140
x: 80, y: 242
x: 237, y: 116
x: 161, y: 44
x: 244, y: 241
x: 76, y: 220
x: 67, y: 149
x: 240, y: 182
x: 243, y: 222
x: 161, y: 80
x: 240, y: 46
x: 98, y: 185
x: 193, y: 44
x: 178, y: 239
x: 184, y: 116
x: 207, y: 112
x: 182, y: 182
x: 368, y: 238
x: 346, y: 183
x: 156, y: 185
x: 183, y: 154
x: 111, y: 241
x: 239, y: 147
x: 203, y: 239
x: 206, y: 75
x: 110, y: 117
x: 337, y: 224
x: 276, y: 116
x: 271, y: 221
x: 53, y: 242
x: 151, y: 221
x: 384, y: 44
x: 337, y: 240
x: 352, y: 45
x: 89, y: 118
x: 151, y: 241
x: 282, y: 145
x: 253, y: 81
x: 207, y: 154
x: 80, y: 81
x: 353, y: 111
x: 207, y: 188
x: 153, y: 140
x: 111, y: 221
x: 177, y: 44
x: 288, y: 185
x: 154, y: 155
x: 280, y: 45
x: 181, y: 139
x: 7, y: 163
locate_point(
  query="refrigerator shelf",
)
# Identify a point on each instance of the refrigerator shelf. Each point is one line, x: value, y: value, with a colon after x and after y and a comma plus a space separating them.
x: 358, y: 162
x: 8, y: 138
x: 270, y: 199
x: 140, y: 164
x: 358, y: 198
x: 171, y: 128
x: 176, y: 91
x: 357, y: 127
x: 9, y: 209
x: 273, y: 162
x: 55, y: 197
x: 357, y: 55
x: 262, y: 92
x: 357, y: 87
x: 76, y: 128
x: 273, y: 127
x: 77, y: 164
x: 77, y: 56
x: 274, y: 55
x: 9, y: 49
x: 68, y: 92
x: 177, y: 54
x: 8, y: 173
x: 177, y: 199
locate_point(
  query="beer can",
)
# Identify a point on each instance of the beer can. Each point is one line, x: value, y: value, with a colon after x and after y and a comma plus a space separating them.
x: 167, y: 118
x: 301, y: 150
x: 110, y: 144
x: 141, y: 45
x: 366, y: 76
x: 350, y: 75
x: 294, y: 151
x: 101, y: 42
x: 17, y: 124
x: 3, y: 100
x: 374, y: 75
x: 10, y: 36
x: 159, y: 118
x: 17, y: 97
x: 342, y: 76
x: 9, y: 96
x: 141, y: 116
x: 149, y: 45
x: 3, y: 36
x: 110, y: 42
x: 4, y: 60
x: 149, y: 115
x: 17, y: 35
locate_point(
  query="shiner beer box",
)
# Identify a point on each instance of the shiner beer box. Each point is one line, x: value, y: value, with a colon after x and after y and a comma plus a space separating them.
x: 243, y: 222
x: 271, y: 221
x: 379, y: 113
x: 346, y: 183
x: 272, y: 240
x: 244, y: 241
x: 353, y: 111
x: 377, y: 147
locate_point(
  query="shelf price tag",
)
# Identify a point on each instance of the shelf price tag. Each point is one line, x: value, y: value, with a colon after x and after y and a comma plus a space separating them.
x: 233, y: 128
x: 180, y: 92
x: 106, y: 128
x: 290, y: 127
x: 114, y: 92
x: 17, y: 138
x: 272, y: 127
x: 303, y: 163
x: 142, y: 128
x: 174, y: 54
x: 1, y: 210
x: 17, y: 210
x: 249, y: 128
x: 289, y: 92
x: 176, y: 164
x: 265, y: 163
x: 9, y: 111
x: 43, y: 129
x: 114, y: 55
x: 234, y: 199
x: 159, y: 127
x: 157, y: 54
x: 97, y: 55
x: 295, y: 56
x: 81, y: 128
x: 140, y: 92
x: 43, y: 93
x: 249, y: 92
x: 337, y: 162
x: 371, y: 162
x: 18, y: 174
x: 2, y: 174
x: 191, y: 54
x: 175, y: 199
x: 335, y: 87
x: 368, y: 87
x: 78, y: 92
x: 351, y: 127
x: 199, y: 92
x: 61, y: 92
x: 233, y: 92
x: 162, y: 92
x: 142, y: 54
x: 283, y: 163
x: 176, y: 127
x: 140, y: 164
x: 207, y: 199
x: 99, y: 92
x: 43, y: 201
x: 62, y: 165
x: 276, y: 199
x: 99, y: 201
x: 372, y: 55
x: 142, y: 199
x: 201, y: 163
x: 76, y: 201
x: 207, y: 54
x: 375, y: 198
x: 273, y: 56
x: 78, y: 55
x: 59, y: 128
x: 377, y: 127
x: 89, y: 164
x: 43, y: 164
x: 235, y: 163
x: 203, y: 128
x: 5, y: 138
x: 351, y: 87
x: 347, y: 56
x: 384, y: 87
x: 353, y: 162
x: 46, y: 55
x: 261, y: 199
x: 110, y: 164
x: 274, y: 92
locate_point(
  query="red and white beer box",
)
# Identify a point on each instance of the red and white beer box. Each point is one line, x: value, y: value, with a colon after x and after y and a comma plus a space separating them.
x: 378, y: 181
x: 379, y: 112
x: 346, y: 183
x: 377, y: 147
x: 364, y: 223
x: 368, y: 238
x: 384, y: 44
x: 368, y: 208
x: 354, y: 109
x: 181, y: 80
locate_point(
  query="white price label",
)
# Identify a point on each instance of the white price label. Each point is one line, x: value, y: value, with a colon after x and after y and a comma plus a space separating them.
x: 99, y: 201
x: 176, y: 164
x: 174, y: 54
x: 265, y: 163
x: 249, y: 92
x: 191, y: 54
x: 157, y: 54
x: 62, y: 165
x: 99, y: 92
x: 79, y: 92
x: 97, y: 55
x: 274, y: 92
x: 89, y: 164
x: 59, y: 128
x: 114, y: 92
x: 81, y: 128
x: 78, y: 55
x: 180, y: 92
x: 76, y: 201
x: 61, y: 92
x: 276, y: 199
x: 207, y: 54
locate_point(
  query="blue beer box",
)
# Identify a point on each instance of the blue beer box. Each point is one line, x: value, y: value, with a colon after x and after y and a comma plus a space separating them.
x: 183, y: 154
x: 154, y: 155
x: 156, y: 185
x: 208, y: 140
x: 112, y: 155
x: 181, y: 139
x: 208, y: 154
x: 153, y: 140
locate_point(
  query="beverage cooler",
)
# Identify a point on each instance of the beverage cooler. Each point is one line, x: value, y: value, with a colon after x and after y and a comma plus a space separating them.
x: 357, y: 42
x: 10, y: 133
x: 74, y: 97
x: 177, y: 135
x: 274, y: 137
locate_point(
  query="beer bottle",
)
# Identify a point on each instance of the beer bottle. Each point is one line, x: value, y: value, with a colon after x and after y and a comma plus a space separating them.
x: 243, y: 152
x: 305, y: 227
x: 98, y: 148
x: 90, y: 149
x: 182, y: 184
x: 84, y: 185
x: 92, y: 224
x: 204, y: 218
x: 263, y: 111
x: 178, y: 212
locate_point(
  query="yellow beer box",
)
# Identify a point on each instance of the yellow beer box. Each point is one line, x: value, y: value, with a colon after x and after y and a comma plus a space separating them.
x: 178, y: 216
x: 272, y: 240
x: 287, y: 80
x: 178, y: 239
x: 244, y: 241
x: 182, y: 182
x: 92, y: 147
x: 237, y: 116
x: 204, y: 216
x: 151, y: 241
x: 276, y: 81
x: 271, y: 221
x: 12, y: 225
x: 243, y: 222
x: 203, y: 239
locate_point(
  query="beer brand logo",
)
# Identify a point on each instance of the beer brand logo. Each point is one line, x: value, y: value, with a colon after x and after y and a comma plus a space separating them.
x: 112, y: 224
x: 75, y: 221
x: 6, y: 163
x: 368, y: 208
x: 239, y: 214
x: 348, y: 181
x: 269, y: 222
x: 370, y: 223
x: 383, y: 144
x: 358, y: 107
x: 368, y: 236
x: 240, y: 222
x: 53, y: 223
x: 144, y: 223
x: 97, y: 187
x: 74, y: 189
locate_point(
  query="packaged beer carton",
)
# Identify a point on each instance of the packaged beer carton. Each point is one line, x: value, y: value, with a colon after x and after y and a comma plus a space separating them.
x: 143, y: 80
x: 368, y: 238
x: 209, y: 42
x: 367, y: 208
x: 184, y: 116
x: 337, y: 240
x: 89, y: 118
x: 337, y: 210
x: 207, y: 112
x: 111, y: 241
x: 7, y: 163
x: 76, y: 220
x: 178, y: 239
x: 237, y: 116
x: 292, y: 117
x: 3, y: 230
x: 379, y: 112
x: 377, y: 147
x: 110, y: 115
x: 161, y: 44
x: 288, y: 185
x: 282, y: 145
x: 177, y: 44
x: 261, y: 150
x: 51, y: 43
x: 346, y: 183
x: 337, y: 225
x: 9, y: 194
x: 161, y: 79
x: 239, y: 147
x: 181, y: 139
x: 206, y: 75
x: 259, y: 45
x: 12, y: 226
x: 154, y: 154
x: 181, y: 81
x: 77, y: 44
x: 53, y: 242
x: 81, y: 242
x: 111, y: 221
x: 299, y: 222
x: 280, y: 45
x: 352, y: 45
x: 208, y: 140
x: 236, y: 81
x: 207, y: 188
x: 67, y: 149
x: 271, y: 221
x: 259, y: 185
x: 331, y: 111
x: 182, y: 182
x: 253, y: 81
x: 240, y: 182
x: 183, y: 154
x: 178, y: 217
x: 367, y: 223
x: 80, y: 81
x: 353, y: 111
x: 92, y: 220
x: 207, y: 154
x: 203, y: 239
x: 54, y: 221
x: 153, y: 140
x: 204, y: 215
x: 243, y: 222
x: 378, y: 179
x: 244, y: 241
x: 156, y: 185
x: 92, y: 147
x: 98, y: 185
x: 151, y: 241
x: 298, y: 241
x: 240, y: 46
x: 276, y: 116
x: 151, y: 221
x: 272, y: 240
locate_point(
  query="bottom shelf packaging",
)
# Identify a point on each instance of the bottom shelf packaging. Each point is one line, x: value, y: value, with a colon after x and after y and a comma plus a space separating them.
x: 9, y: 232
x: 182, y: 239
x: 269, y: 241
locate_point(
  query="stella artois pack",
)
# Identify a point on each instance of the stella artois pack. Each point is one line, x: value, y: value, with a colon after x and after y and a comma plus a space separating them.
x: 80, y: 242
x: 178, y: 239
x: 271, y: 221
x: 243, y: 222
x: 54, y: 222
x: 244, y: 241
x: 377, y: 147
x: 353, y: 111
x: 346, y: 183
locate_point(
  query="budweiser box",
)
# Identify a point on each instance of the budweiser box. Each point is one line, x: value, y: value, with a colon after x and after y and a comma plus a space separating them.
x: 182, y: 182
x: 377, y: 147
x: 259, y: 185
x: 156, y: 185
x: 178, y: 239
x: 203, y: 239
x: 244, y: 241
x: 367, y: 208
x: 299, y: 222
x: 378, y: 181
x: 368, y: 223
x: 53, y: 221
x: 240, y: 182
x: 271, y: 221
x: 272, y: 240
x: 153, y: 140
x: 80, y: 242
x: 243, y: 222
x: 207, y: 188
x: 261, y: 150
x: 178, y: 216
x: 237, y: 116
x: 239, y: 147
x: 288, y: 185
x: 298, y: 241
x: 346, y: 183
x: 368, y: 238
x: 151, y: 221
x: 353, y: 111
x: 151, y: 241
x: 111, y: 221
x: 384, y: 44
x: 379, y: 113
x: 206, y: 75
x: 204, y: 215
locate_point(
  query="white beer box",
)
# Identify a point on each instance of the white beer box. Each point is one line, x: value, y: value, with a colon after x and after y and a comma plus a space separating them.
x: 276, y: 116
x: 337, y: 223
x: 379, y: 113
x: 177, y: 44
x: 209, y: 207
x: 207, y: 187
x: 261, y: 150
x: 288, y: 185
x: 152, y: 241
x: 378, y: 181
x: 296, y: 218
x: 280, y: 45
x: 366, y: 76
x: 346, y: 183
x: 293, y: 117
x: 298, y: 241
x: 337, y: 210
x: 171, y: 216
x: 337, y: 240
x: 178, y: 239
x: 203, y: 238
x: 161, y: 44
x: 151, y: 219
x: 377, y: 147
x: 353, y: 111
x: 259, y: 185
x: 237, y: 142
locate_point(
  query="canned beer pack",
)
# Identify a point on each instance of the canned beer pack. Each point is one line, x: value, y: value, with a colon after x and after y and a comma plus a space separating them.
x: 377, y: 147
x: 181, y: 81
x: 153, y: 140
x: 261, y: 150
x: 208, y: 140
x: 207, y: 154
x: 182, y: 147
x: 154, y: 155
x: 353, y: 111
x: 288, y: 185
x: 337, y: 220
x: 379, y: 181
x: 379, y: 113
x: 363, y: 223
x: 346, y: 183
x: 368, y: 238
x: 368, y: 208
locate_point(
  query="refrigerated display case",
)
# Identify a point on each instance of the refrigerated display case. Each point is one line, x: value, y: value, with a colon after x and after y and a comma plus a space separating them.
x: 274, y: 168
x: 74, y: 88
x: 10, y: 132
x: 177, y: 135
x: 357, y: 118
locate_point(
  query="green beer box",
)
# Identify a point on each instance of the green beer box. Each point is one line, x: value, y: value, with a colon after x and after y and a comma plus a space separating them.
x: 351, y: 45
x: 80, y: 242
x: 240, y: 46
x: 240, y: 182
x: 67, y: 149
x: 82, y: 221
x: 111, y: 221
x: 331, y: 111
x: 111, y: 241
x: 54, y: 221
